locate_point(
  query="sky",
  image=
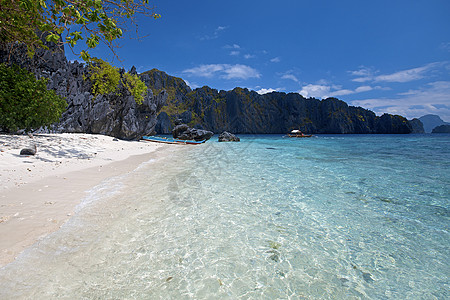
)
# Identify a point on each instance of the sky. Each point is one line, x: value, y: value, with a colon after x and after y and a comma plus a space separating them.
x: 387, y: 56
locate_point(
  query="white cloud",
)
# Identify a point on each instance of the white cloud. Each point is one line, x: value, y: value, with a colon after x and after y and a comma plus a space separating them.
x: 275, y: 60
x: 434, y: 98
x: 315, y: 90
x: 205, y: 70
x: 324, y: 90
x: 248, y: 56
x: 364, y: 74
x: 290, y: 76
x: 445, y: 46
x: 405, y: 75
x: 341, y: 93
x: 215, y: 34
x: 234, y: 46
x: 367, y: 74
x: 363, y: 71
x: 240, y: 71
x: 225, y: 71
x: 364, y: 88
x: 234, y: 53
x: 192, y: 85
x: 266, y: 91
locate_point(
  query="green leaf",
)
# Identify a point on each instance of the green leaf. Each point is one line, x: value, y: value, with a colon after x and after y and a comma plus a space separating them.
x: 85, y: 56
x: 98, y: 4
x: 93, y: 41
x: 81, y: 21
x: 76, y: 35
x: 52, y: 37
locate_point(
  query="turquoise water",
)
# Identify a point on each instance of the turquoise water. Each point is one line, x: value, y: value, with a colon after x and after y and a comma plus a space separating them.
x: 330, y: 217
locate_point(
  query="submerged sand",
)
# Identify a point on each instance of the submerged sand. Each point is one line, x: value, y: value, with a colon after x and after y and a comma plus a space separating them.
x: 39, y: 193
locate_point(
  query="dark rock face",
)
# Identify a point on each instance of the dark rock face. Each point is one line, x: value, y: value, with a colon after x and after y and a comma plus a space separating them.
x: 228, y: 137
x: 115, y: 115
x: 118, y: 116
x: 163, y: 123
x: 184, y: 132
x: 392, y: 124
x: 416, y: 125
x: 441, y: 129
x: 43, y: 63
x: 179, y: 130
x: 244, y: 111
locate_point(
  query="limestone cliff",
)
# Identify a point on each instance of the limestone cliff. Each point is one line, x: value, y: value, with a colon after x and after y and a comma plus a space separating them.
x: 417, y: 126
x: 114, y: 114
x: 244, y: 111
x: 170, y: 98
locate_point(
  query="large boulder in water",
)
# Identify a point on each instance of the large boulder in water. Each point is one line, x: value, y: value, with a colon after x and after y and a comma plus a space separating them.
x: 228, y: 137
x: 184, y: 132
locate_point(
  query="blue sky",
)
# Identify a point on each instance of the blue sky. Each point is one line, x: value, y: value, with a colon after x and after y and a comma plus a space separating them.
x: 387, y: 56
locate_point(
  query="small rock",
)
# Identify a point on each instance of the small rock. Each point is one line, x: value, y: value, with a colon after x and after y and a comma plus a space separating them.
x: 228, y: 137
x: 28, y: 151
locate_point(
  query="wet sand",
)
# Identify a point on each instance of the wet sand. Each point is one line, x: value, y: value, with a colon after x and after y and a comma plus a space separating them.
x: 39, y: 193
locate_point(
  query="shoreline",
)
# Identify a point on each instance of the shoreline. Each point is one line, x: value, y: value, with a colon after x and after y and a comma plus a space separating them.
x: 39, y: 194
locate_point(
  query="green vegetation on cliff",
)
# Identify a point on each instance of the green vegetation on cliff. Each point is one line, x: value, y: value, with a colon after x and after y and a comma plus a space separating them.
x: 175, y: 87
x: 25, y: 102
x: 106, y: 79
x: 243, y: 111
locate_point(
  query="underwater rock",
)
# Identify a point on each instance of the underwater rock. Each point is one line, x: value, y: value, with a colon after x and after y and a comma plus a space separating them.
x: 275, y: 255
x: 367, y: 277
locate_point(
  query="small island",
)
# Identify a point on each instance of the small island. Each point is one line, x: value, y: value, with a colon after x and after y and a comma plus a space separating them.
x: 441, y: 129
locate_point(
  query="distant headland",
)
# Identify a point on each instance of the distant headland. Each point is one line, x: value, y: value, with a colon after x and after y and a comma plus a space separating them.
x: 430, y: 122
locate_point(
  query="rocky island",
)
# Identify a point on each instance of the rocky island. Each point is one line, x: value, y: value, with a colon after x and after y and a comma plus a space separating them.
x: 441, y: 129
x: 170, y: 98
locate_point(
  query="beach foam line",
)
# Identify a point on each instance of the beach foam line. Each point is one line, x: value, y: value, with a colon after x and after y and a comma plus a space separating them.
x: 32, y: 206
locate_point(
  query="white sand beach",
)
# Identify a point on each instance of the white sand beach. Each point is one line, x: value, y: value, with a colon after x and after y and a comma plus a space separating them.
x: 39, y: 193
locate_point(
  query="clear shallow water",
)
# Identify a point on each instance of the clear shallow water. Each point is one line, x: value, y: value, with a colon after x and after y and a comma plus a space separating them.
x: 332, y: 217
